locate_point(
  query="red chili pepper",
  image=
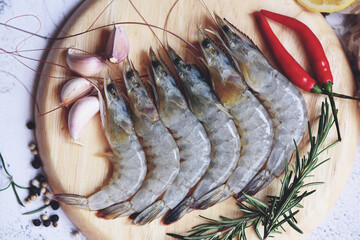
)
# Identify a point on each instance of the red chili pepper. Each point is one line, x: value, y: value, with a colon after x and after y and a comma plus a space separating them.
x: 313, y: 47
x: 287, y: 63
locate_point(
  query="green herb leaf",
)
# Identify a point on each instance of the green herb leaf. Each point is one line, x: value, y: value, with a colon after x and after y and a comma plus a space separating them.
x: 16, y: 194
x: 36, y: 210
x: 4, y: 166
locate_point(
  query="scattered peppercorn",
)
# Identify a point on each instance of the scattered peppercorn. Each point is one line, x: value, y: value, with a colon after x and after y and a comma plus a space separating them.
x: 30, y: 124
x: 75, y: 233
x: 54, y: 218
x: 44, y: 184
x: 32, y: 146
x: 33, y: 197
x: 27, y: 200
x: 34, y: 190
x: 35, y: 183
x: 40, y: 178
x: 47, y: 193
x: 46, y: 223
x: 46, y: 201
x: 54, y: 205
x: 43, y: 190
x: 36, y: 163
x: 35, y: 152
x: 55, y: 224
x: 36, y: 222
x: 44, y: 217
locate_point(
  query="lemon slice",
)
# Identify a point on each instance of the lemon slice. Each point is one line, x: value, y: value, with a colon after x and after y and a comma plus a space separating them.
x: 325, y: 5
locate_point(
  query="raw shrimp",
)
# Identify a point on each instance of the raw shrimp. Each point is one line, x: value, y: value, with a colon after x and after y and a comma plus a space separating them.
x: 222, y: 132
x: 280, y: 97
x: 162, y: 153
x: 252, y: 120
x: 190, y: 136
x: 127, y: 155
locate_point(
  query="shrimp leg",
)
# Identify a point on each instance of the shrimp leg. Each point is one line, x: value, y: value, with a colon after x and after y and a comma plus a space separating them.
x: 222, y: 132
x: 162, y: 153
x: 190, y: 136
x: 252, y: 120
x: 279, y: 96
x: 128, y: 157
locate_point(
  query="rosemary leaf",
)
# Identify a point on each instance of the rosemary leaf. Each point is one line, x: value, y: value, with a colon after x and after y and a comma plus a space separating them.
x: 36, y: 210
x: 20, y: 186
x: 16, y: 194
x: 6, y: 187
x: 4, y: 166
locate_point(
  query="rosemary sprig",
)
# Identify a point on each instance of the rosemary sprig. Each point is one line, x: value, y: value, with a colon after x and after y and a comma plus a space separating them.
x: 37, y: 210
x: 278, y: 210
x: 12, y: 183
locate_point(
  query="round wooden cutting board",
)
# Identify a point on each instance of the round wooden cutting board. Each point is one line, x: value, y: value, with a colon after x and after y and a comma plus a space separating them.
x: 71, y: 168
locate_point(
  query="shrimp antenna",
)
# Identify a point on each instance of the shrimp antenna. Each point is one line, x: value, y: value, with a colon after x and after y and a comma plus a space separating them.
x: 208, y: 11
x: 95, y: 29
x: 166, y: 23
x: 138, y: 12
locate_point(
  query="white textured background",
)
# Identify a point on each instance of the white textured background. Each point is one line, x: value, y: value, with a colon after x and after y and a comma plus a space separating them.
x: 16, y: 108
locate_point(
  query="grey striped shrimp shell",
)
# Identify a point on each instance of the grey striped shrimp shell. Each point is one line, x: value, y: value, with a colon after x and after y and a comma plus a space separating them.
x: 222, y: 132
x: 253, y: 122
x: 280, y: 97
x: 162, y: 153
x: 190, y: 136
x: 127, y: 155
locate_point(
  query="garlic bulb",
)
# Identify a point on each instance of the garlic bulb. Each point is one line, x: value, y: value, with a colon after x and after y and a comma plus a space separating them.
x: 84, y: 64
x: 73, y: 89
x: 118, y: 46
x: 80, y: 115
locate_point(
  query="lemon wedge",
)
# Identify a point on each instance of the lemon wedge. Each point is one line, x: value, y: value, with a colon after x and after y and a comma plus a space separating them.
x: 325, y: 5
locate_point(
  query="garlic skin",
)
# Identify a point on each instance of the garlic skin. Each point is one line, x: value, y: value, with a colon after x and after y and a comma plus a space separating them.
x: 73, y: 89
x: 84, y: 64
x: 80, y: 115
x: 118, y: 46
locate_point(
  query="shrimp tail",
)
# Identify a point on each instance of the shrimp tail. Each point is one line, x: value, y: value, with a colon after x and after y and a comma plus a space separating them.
x: 73, y: 199
x: 260, y: 181
x: 152, y: 212
x: 179, y: 211
x: 213, y: 197
x: 117, y: 210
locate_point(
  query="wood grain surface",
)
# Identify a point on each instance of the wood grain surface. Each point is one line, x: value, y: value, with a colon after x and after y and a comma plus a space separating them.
x: 71, y: 168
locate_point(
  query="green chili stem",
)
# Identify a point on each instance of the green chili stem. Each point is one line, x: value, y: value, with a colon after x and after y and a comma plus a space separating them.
x: 338, y: 95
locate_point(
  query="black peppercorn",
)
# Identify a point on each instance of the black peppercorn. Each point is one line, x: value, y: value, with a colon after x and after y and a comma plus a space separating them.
x: 40, y: 178
x: 36, y: 163
x: 36, y: 222
x: 30, y: 125
x: 54, y: 218
x: 46, y: 223
x: 54, y: 204
x: 34, y: 190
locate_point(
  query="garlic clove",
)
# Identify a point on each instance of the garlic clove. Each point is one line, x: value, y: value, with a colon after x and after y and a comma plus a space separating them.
x: 118, y: 46
x: 80, y: 115
x: 84, y: 64
x: 75, y: 88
